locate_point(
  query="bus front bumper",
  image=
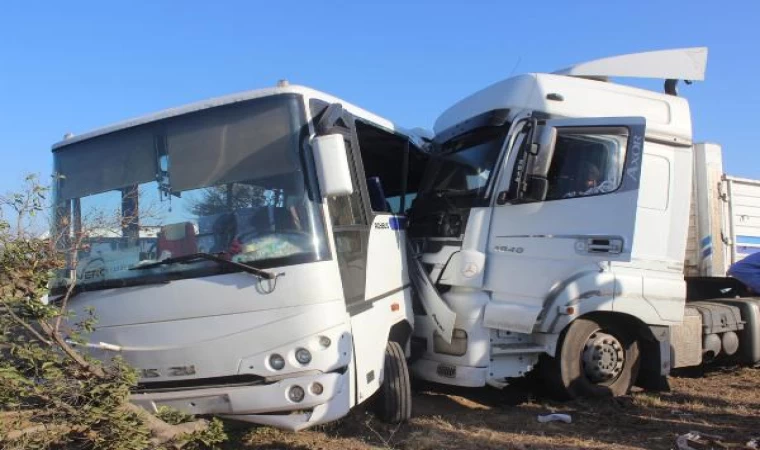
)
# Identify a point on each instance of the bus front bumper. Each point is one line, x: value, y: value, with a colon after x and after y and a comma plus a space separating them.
x: 268, y: 404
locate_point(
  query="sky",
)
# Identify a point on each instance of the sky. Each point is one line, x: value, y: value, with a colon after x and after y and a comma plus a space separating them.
x: 76, y: 66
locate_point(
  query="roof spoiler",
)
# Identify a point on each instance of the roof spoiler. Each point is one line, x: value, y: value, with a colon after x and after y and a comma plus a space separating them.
x: 688, y: 64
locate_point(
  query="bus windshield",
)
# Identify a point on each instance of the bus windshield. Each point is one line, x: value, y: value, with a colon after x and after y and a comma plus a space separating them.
x: 227, y: 181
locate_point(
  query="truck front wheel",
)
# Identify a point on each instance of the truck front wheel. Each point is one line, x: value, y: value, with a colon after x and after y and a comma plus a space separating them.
x: 595, y: 359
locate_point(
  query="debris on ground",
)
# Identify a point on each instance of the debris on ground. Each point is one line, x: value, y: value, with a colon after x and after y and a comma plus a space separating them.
x: 555, y: 418
x: 694, y: 440
x: 715, y: 401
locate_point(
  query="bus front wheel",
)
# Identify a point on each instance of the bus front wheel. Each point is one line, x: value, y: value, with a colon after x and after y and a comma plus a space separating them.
x: 395, y: 401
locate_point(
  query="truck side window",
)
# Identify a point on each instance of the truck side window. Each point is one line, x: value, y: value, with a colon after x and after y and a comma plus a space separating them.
x: 586, y: 164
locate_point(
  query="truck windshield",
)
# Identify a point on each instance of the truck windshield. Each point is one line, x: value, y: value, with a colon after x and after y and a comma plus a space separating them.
x: 226, y: 181
x: 464, y: 163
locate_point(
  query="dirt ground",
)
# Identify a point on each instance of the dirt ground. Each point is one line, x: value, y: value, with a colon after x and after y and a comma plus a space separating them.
x: 721, y: 400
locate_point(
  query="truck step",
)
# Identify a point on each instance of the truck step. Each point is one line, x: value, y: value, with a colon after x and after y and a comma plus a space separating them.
x: 516, y: 349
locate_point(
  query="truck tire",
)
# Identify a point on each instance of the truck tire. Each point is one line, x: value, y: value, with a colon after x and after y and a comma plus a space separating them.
x: 595, y: 359
x: 395, y: 402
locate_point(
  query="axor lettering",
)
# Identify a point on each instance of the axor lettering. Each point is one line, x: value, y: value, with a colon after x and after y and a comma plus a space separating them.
x: 634, y: 165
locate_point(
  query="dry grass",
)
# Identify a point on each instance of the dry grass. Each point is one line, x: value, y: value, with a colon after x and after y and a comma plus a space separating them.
x: 721, y: 401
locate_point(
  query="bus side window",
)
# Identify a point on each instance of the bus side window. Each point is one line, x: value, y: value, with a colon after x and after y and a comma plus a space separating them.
x: 384, y: 158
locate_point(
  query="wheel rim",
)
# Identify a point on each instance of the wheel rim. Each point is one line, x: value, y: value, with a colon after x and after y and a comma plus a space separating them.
x: 603, y: 358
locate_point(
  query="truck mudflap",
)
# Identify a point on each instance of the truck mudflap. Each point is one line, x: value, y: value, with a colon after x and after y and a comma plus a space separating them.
x: 436, y: 307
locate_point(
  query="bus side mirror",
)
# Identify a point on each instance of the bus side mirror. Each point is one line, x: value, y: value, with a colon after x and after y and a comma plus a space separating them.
x: 331, y: 162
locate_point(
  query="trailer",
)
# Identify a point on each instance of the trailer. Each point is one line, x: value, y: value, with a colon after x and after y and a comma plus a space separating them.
x: 274, y: 286
x: 568, y: 224
x: 723, y: 224
x: 723, y: 229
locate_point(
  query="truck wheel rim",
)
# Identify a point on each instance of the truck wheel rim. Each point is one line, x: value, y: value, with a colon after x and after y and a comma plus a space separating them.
x: 603, y: 358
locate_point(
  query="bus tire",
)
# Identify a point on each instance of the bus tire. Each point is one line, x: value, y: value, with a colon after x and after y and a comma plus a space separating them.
x: 595, y: 359
x: 395, y: 402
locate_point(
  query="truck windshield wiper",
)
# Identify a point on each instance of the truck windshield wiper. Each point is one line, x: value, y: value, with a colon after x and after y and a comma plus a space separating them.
x: 209, y: 257
x: 451, y: 192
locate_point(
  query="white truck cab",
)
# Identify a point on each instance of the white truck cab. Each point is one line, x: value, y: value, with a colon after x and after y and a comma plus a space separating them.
x: 245, y: 254
x: 552, y: 222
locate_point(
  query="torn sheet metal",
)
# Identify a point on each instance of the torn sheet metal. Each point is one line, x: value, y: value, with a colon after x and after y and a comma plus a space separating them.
x: 437, y: 308
x: 515, y: 317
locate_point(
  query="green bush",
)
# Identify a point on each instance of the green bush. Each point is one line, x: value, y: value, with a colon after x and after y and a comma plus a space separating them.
x: 51, y: 395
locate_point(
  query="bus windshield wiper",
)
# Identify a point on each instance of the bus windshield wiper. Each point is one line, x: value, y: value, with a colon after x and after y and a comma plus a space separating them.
x: 209, y: 257
x: 61, y: 291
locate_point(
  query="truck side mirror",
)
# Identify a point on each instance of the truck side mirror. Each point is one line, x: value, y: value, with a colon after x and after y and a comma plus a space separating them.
x: 536, y: 188
x: 331, y: 162
x: 542, y: 150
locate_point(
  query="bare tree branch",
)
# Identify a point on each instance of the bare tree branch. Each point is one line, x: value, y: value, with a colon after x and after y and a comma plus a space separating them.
x: 70, y: 352
x: 16, y: 434
x: 71, y: 286
x: 162, y: 431
x: 24, y: 324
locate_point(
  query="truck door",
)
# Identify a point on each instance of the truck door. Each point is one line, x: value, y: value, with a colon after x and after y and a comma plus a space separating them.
x: 565, y: 203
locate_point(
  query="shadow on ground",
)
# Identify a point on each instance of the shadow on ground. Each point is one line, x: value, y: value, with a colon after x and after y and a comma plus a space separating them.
x: 722, y: 401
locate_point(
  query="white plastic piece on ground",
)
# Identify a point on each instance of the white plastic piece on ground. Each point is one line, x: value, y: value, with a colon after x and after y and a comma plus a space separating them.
x: 99, y: 345
x: 555, y: 418
x: 679, y: 64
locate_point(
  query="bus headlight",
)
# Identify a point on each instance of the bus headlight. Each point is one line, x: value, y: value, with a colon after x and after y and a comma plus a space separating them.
x: 276, y: 361
x: 296, y: 394
x: 324, y: 341
x: 303, y: 356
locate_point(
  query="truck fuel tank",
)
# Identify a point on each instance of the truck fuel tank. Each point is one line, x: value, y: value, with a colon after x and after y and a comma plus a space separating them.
x: 749, y: 336
x: 720, y: 323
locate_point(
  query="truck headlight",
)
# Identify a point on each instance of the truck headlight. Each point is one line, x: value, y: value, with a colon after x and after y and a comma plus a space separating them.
x: 458, y: 346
